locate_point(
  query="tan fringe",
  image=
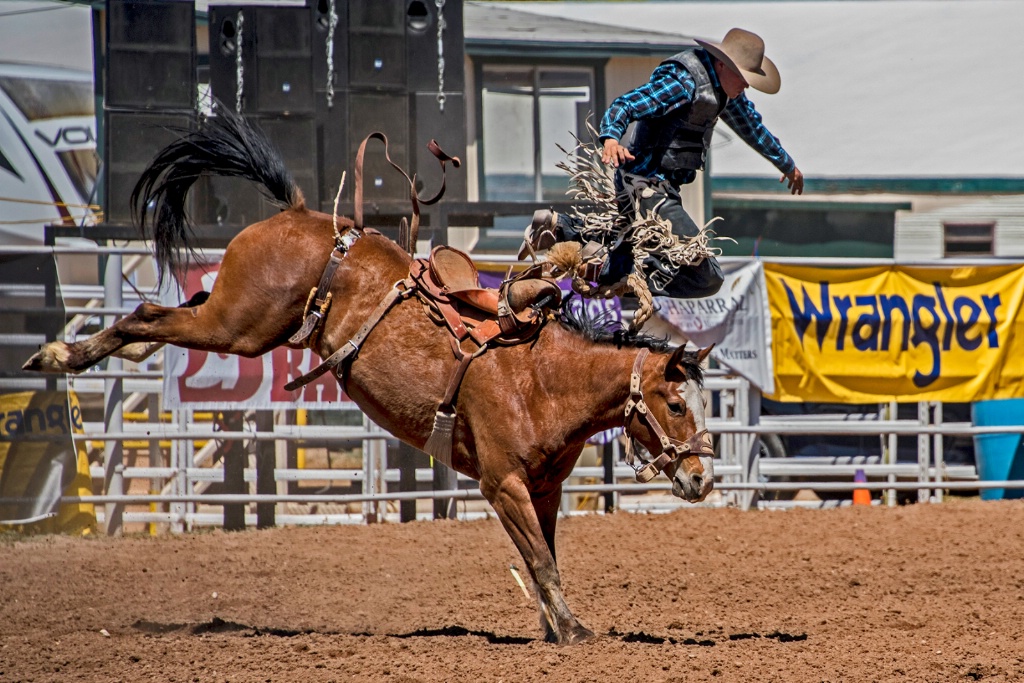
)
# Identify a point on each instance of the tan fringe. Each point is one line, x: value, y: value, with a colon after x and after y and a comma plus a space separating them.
x: 592, y: 183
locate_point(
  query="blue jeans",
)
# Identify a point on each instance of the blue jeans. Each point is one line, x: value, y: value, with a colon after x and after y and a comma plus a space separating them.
x: 690, y: 282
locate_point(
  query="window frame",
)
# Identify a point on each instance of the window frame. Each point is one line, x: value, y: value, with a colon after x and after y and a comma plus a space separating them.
x: 596, y: 68
x: 949, y: 240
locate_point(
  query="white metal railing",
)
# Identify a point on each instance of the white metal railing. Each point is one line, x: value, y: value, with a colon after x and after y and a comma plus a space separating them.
x: 182, y: 483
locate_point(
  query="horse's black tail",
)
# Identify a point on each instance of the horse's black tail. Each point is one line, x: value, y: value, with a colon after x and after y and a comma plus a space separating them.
x: 226, y: 145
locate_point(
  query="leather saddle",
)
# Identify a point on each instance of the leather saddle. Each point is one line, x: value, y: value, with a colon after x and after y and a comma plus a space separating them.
x: 450, y: 284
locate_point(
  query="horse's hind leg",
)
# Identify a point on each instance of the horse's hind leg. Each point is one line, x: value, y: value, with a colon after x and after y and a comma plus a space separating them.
x: 75, y: 357
x: 521, y: 518
x: 193, y: 327
x: 140, y: 351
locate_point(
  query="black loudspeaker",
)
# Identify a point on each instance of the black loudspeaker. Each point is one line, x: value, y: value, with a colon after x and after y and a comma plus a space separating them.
x: 151, y: 54
x: 337, y: 61
x: 332, y: 149
x: 228, y: 202
x: 389, y: 114
x: 421, y: 19
x: 284, y: 61
x: 448, y: 127
x: 384, y: 69
x: 231, y: 28
x: 430, y: 120
x: 374, y: 16
x: 376, y: 51
x: 276, y: 60
x: 295, y: 139
x: 237, y: 202
x: 132, y: 140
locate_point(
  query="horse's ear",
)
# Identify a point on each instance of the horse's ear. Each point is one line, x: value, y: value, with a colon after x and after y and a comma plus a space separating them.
x: 704, y: 353
x: 675, y: 371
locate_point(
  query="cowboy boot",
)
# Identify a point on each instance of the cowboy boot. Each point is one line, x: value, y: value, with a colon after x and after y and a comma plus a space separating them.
x: 541, y: 233
x: 593, y: 256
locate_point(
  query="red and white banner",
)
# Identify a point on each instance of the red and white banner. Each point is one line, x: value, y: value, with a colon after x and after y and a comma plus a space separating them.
x: 215, y: 381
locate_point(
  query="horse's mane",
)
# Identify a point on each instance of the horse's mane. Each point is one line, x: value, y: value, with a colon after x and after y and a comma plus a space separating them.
x: 605, y: 328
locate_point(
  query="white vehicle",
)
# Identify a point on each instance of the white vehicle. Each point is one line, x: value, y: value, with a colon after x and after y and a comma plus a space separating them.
x: 48, y: 157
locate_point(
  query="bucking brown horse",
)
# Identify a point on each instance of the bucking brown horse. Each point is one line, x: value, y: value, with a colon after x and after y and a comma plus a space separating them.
x: 522, y: 412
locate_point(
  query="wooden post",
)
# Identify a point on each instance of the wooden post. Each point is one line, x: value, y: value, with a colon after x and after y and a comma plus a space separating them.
x: 445, y: 479
x: 405, y: 459
x: 608, y: 463
x: 235, y: 458
x: 266, y: 461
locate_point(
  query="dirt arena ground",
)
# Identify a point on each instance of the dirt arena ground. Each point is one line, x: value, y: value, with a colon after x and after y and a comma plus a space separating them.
x: 917, y: 593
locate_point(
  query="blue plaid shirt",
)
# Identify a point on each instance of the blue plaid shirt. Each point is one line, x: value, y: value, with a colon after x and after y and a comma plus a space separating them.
x: 671, y: 86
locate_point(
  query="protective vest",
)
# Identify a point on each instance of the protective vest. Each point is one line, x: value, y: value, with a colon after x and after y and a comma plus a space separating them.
x: 681, y: 138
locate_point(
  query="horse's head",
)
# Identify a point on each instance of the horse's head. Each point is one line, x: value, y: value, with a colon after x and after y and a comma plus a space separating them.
x: 665, y: 416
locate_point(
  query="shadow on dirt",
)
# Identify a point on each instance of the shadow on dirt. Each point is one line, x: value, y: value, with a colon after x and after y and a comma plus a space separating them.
x: 457, y: 631
x: 642, y: 637
x: 218, y: 625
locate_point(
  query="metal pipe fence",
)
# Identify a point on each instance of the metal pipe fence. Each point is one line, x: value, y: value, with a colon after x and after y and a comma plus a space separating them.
x: 475, y: 494
x: 177, y: 490
x: 735, y: 474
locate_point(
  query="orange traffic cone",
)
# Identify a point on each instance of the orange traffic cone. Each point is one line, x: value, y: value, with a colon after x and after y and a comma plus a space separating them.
x: 861, y: 496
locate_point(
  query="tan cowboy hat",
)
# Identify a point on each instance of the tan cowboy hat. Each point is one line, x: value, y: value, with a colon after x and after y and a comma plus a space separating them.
x: 743, y: 52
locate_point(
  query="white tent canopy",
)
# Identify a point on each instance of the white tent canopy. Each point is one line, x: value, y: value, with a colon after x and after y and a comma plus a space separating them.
x: 870, y: 88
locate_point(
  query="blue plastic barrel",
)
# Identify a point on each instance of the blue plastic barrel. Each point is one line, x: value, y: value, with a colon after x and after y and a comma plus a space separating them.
x: 999, y: 457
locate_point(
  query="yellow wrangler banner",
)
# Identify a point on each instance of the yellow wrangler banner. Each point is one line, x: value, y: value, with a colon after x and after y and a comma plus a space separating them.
x: 35, y: 473
x: 866, y: 335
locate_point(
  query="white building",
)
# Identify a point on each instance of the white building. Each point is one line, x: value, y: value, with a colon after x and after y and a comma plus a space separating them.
x: 891, y: 108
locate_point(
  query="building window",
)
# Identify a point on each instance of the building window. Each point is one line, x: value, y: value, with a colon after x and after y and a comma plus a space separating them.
x: 783, y: 228
x: 967, y: 239
x: 527, y: 112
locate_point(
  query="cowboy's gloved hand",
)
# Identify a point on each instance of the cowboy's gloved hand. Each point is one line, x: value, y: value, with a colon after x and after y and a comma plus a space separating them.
x: 796, y: 181
x: 614, y: 153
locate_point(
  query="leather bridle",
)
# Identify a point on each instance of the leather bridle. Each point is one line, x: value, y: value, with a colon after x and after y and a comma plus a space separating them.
x: 671, y: 449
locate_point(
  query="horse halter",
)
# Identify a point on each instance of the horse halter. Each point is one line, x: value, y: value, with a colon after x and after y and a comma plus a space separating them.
x: 671, y: 449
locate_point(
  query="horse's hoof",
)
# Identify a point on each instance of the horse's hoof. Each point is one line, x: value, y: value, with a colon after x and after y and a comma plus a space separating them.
x: 580, y: 634
x: 51, y: 358
x: 572, y: 636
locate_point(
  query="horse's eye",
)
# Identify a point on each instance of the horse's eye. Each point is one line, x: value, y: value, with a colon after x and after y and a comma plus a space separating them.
x: 677, y: 408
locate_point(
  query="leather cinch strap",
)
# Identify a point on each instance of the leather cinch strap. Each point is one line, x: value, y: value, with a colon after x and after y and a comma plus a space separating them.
x: 351, y: 347
x: 416, y: 200
x: 320, y: 300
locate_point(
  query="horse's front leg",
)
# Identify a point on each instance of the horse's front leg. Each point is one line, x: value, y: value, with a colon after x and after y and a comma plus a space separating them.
x: 546, y: 508
x: 521, y: 516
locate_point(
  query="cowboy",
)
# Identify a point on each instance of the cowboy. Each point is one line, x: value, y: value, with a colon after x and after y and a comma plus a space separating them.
x: 675, y: 114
